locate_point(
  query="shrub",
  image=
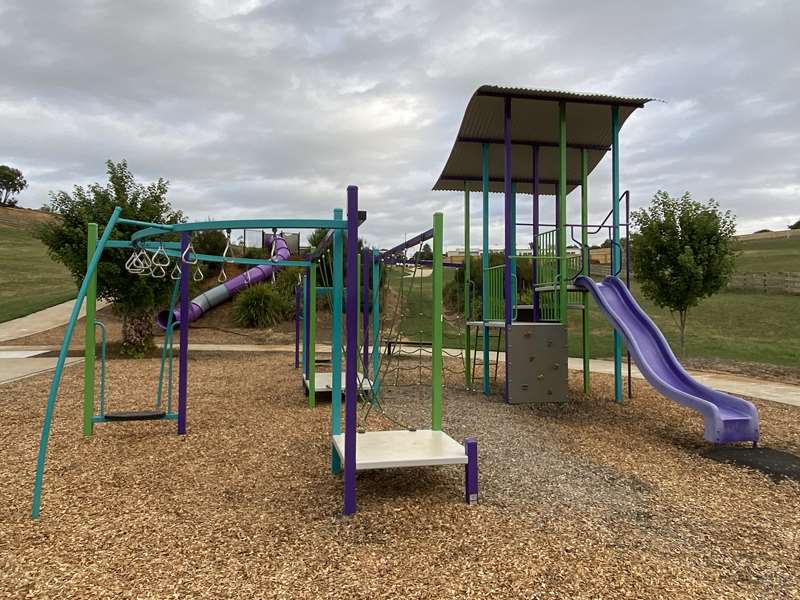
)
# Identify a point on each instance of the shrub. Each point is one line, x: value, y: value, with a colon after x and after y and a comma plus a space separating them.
x: 261, y: 306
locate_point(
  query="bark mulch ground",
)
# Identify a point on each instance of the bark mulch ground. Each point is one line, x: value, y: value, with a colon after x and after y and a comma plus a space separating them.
x: 586, y: 499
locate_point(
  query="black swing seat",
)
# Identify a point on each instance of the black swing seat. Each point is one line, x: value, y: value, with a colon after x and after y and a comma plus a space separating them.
x: 144, y: 415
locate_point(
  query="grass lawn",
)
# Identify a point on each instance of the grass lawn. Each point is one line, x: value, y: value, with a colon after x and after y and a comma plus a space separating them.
x: 740, y: 326
x: 769, y: 255
x: 31, y: 281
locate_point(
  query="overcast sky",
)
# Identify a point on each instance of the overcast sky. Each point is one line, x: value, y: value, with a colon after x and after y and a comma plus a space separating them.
x: 256, y: 109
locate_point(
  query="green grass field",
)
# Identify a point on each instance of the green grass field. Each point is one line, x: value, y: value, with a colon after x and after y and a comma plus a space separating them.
x: 741, y: 326
x: 769, y: 255
x: 31, y: 281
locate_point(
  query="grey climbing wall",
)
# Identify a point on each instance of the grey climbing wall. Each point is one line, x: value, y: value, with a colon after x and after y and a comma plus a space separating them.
x: 537, y: 363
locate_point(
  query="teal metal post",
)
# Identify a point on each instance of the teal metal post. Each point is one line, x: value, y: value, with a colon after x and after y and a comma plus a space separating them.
x: 485, y: 267
x: 376, y: 326
x: 437, y: 341
x: 89, y: 338
x: 616, y: 254
x: 336, y: 342
x: 62, y: 357
x: 312, y: 336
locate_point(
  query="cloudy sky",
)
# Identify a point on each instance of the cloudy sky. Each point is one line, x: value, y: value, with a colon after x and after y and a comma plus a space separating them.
x: 256, y: 108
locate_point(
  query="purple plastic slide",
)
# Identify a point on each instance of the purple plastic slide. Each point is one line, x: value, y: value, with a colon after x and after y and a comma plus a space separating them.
x: 727, y: 418
x: 216, y: 295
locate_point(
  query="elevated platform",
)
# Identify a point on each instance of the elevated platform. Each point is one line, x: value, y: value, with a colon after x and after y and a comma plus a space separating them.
x: 323, y: 384
x: 393, y: 449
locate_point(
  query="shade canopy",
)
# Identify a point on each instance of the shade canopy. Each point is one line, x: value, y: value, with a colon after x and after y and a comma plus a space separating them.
x: 534, y: 123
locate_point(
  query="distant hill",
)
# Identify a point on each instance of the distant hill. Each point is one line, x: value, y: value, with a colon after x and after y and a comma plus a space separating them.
x: 769, y: 252
x: 31, y: 281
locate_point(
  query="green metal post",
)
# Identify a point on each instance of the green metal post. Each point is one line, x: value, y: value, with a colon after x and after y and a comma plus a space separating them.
x: 513, y: 262
x: 62, y: 358
x: 585, y: 266
x: 562, y: 210
x: 436, y: 342
x: 485, y: 267
x: 359, y: 333
x: 336, y: 341
x: 312, y: 336
x: 376, y: 326
x: 616, y: 254
x: 467, y: 295
x: 89, y: 337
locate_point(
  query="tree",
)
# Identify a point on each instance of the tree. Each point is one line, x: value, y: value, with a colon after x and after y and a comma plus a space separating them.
x: 135, y: 297
x: 795, y: 225
x: 683, y: 251
x: 11, y: 183
x: 426, y: 253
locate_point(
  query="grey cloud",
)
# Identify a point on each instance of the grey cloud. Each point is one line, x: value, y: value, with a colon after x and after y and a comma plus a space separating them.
x: 272, y: 108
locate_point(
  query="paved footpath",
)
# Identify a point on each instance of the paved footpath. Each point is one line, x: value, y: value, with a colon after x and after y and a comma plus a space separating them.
x: 41, y: 321
x: 22, y: 361
x: 733, y: 384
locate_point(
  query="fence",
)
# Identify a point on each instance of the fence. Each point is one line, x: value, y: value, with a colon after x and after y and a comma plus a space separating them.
x: 769, y: 283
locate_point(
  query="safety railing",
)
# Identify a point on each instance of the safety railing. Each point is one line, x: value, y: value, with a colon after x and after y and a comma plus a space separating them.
x: 493, y: 294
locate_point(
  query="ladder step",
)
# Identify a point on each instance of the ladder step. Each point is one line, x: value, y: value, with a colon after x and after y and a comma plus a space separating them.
x: 144, y: 415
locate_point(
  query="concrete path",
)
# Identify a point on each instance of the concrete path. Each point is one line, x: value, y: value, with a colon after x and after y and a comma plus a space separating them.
x: 19, y: 364
x: 733, y: 384
x: 41, y: 321
x: 22, y: 361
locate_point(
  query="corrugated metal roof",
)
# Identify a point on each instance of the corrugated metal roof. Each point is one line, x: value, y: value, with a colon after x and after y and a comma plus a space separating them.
x: 534, y: 122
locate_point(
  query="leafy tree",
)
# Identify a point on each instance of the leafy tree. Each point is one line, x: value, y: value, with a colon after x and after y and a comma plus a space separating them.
x: 425, y: 253
x: 135, y: 297
x: 795, y: 225
x: 11, y: 183
x: 683, y: 251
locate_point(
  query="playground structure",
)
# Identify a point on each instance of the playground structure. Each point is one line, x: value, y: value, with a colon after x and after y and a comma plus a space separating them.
x: 534, y: 334
x: 517, y: 141
x: 152, y: 256
x: 406, y: 447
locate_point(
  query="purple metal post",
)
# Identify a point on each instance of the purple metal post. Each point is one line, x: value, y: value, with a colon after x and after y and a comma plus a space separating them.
x: 509, y: 223
x: 183, y: 353
x: 471, y: 471
x: 297, y: 294
x: 307, y: 320
x: 351, y: 380
x: 366, y: 262
x: 534, y: 245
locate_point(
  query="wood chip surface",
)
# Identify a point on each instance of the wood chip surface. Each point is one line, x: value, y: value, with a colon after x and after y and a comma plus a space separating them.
x: 589, y: 499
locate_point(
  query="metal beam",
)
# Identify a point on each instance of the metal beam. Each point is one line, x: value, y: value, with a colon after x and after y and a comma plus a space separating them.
x: 416, y: 240
x: 500, y: 179
x: 469, y: 139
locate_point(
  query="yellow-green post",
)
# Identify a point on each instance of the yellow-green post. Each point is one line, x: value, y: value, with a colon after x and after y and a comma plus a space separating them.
x: 562, y: 210
x: 436, y: 342
x: 312, y: 335
x: 89, y: 339
x: 585, y: 265
x: 467, y: 295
